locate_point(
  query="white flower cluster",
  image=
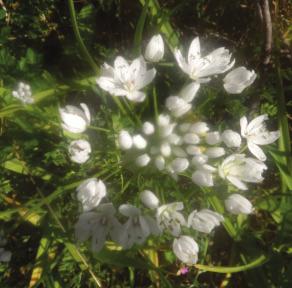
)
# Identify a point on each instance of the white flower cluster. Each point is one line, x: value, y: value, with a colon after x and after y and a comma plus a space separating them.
x: 76, y: 120
x: 192, y: 149
x: 174, y: 146
x: 98, y: 221
x: 5, y: 255
x: 23, y: 93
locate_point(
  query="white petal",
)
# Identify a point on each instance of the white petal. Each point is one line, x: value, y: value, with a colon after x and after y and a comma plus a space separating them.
x: 243, y: 126
x: 129, y: 210
x: 189, y: 92
x: 194, y: 51
x: 256, y: 151
x: 236, y: 182
x: 136, y: 96
x: 181, y: 61
x: 144, y: 79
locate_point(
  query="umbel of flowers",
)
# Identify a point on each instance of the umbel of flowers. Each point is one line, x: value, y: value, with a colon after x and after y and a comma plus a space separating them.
x: 170, y: 145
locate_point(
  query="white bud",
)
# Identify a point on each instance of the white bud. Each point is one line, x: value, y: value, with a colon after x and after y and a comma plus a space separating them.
x: 165, y: 149
x: 148, y: 128
x: 231, y: 138
x: 139, y: 142
x: 79, y: 151
x: 203, y: 178
x: 177, y: 106
x: 125, y: 140
x: 186, y: 249
x: 200, y: 128
x: 90, y: 192
x: 159, y: 163
x: 238, y: 79
x: 142, y: 160
x: 237, y: 204
x: 179, y: 165
x: 184, y: 127
x: 191, y: 138
x: 189, y: 92
x: 155, y: 49
x: 74, y: 119
x: 205, y: 220
x: 193, y: 150
x: 149, y: 199
x: 213, y: 138
x: 199, y: 160
x: 174, y: 139
x: 179, y: 152
x: 215, y: 152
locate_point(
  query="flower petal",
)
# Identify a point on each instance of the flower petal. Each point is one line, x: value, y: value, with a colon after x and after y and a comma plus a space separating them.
x: 256, y: 151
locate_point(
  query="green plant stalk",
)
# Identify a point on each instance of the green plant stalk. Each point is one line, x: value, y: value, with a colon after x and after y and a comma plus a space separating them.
x: 259, y: 261
x: 84, y: 50
x: 80, y: 42
x: 139, y: 30
x: 284, y: 140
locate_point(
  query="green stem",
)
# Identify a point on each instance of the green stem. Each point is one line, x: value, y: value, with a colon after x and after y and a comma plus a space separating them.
x: 80, y: 42
x: 259, y: 261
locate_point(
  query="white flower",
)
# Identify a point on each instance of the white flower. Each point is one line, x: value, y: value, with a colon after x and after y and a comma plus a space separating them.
x: 199, y: 160
x: 256, y: 134
x: 5, y: 255
x: 126, y: 80
x: 149, y: 199
x: 200, y: 128
x: 136, y: 229
x: 193, y: 150
x: 215, y: 152
x: 90, y: 192
x: 174, y: 139
x: 125, y: 140
x: 179, y: 152
x: 160, y: 162
x: 191, y: 138
x: 98, y: 225
x: 23, y: 93
x: 185, y: 127
x: 205, y: 220
x: 198, y: 67
x: 79, y: 151
x: 165, y: 149
x: 213, y: 138
x: 239, y: 169
x: 177, y: 106
x: 238, y: 79
x: 186, y: 249
x: 169, y: 218
x: 139, y: 142
x: 74, y: 119
x: 155, y: 49
x: 189, y: 92
x: 148, y: 128
x: 165, y: 126
x: 237, y: 204
x: 231, y: 138
x: 179, y: 165
x: 203, y: 177
x: 142, y: 160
